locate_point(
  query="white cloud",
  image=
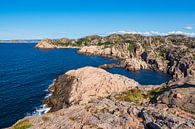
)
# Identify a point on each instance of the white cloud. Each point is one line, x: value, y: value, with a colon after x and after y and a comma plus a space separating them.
x: 188, y: 28
x: 155, y: 33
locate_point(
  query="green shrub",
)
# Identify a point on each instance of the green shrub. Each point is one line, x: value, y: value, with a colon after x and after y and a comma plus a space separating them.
x: 138, y: 95
x: 58, y: 43
x: 81, y: 42
x: 153, y: 93
x: 104, y: 44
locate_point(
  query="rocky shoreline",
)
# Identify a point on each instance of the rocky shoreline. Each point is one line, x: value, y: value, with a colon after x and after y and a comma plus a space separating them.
x: 90, y: 97
x: 93, y: 98
x: 172, y: 54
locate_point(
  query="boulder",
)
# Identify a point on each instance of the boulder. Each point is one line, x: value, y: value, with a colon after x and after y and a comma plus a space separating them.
x: 135, y: 64
x: 85, y: 84
x: 181, y: 94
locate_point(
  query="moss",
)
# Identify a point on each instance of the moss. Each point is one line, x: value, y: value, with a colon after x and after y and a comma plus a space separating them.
x: 134, y: 95
x: 24, y: 124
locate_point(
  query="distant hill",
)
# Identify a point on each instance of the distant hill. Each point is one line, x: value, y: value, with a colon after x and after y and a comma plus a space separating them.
x: 20, y: 41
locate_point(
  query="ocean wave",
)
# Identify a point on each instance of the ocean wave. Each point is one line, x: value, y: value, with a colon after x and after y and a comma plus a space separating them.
x: 53, y: 82
x: 48, y: 95
x: 42, y: 109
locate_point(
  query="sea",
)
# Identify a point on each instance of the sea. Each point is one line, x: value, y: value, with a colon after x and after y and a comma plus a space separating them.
x: 27, y: 72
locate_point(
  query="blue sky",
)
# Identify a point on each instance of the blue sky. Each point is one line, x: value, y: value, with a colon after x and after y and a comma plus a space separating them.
x: 34, y: 19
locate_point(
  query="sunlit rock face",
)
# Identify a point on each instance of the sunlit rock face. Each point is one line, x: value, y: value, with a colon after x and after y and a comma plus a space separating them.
x: 85, y: 84
x: 45, y: 44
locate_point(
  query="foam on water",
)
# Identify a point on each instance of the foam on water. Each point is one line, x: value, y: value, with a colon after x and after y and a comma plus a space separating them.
x: 48, y: 95
x: 42, y: 109
x: 53, y: 82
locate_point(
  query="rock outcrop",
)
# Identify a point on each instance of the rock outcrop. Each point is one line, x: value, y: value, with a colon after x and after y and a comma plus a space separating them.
x: 180, y: 94
x: 61, y: 43
x: 85, y: 84
x: 45, y: 44
x: 111, y: 114
x: 80, y: 97
x: 96, y: 50
x: 172, y: 54
x: 132, y: 64
x: 135, y: 64
x: 92, y: 98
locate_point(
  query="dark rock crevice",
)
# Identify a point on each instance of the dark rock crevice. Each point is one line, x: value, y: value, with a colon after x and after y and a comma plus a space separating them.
x: 61, y: 92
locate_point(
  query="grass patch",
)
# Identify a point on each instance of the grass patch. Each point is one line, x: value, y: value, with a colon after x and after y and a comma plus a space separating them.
x: 24, y: 124
x: 138, y: 95
x: 134, y: 95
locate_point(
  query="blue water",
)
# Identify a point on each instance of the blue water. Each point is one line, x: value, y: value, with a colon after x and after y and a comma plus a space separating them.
x: 26, y: 73
x: 144, y: 77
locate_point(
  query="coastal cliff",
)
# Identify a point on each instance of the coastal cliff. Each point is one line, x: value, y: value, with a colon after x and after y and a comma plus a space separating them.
x: 172, y: 54
x: 93, y: 98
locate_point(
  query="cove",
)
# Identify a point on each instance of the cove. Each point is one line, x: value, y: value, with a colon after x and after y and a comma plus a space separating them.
x: 26, y: 73
x: 144, y: 77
